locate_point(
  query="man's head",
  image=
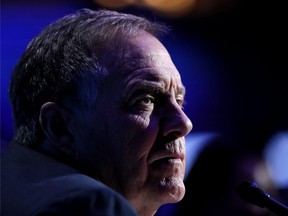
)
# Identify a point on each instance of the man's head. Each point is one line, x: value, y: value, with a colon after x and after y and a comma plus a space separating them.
x: 65, y: 53
x: 100, y: 88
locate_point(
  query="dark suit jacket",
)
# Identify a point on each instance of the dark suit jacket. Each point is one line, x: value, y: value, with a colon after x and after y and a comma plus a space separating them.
x: 34, y: 184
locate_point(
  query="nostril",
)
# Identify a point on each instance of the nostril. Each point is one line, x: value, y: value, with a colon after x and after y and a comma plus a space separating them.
x: 175, y: 135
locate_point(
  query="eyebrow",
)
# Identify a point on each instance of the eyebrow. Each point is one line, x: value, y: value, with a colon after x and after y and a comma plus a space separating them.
x: 153, y: 87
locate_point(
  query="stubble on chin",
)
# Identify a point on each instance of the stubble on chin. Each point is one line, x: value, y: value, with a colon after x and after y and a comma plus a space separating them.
x: 174, y: 186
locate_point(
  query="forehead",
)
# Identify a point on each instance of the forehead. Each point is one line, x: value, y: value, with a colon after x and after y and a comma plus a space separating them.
x: 145, y: 59
x: 147, y: 50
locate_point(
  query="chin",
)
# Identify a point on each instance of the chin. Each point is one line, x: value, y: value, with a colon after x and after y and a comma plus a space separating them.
x: 172, y: 189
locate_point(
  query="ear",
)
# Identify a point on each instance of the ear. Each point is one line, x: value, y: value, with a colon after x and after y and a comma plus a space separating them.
x: 54, y: 121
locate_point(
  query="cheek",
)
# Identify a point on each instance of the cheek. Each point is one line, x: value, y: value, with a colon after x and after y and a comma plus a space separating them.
x: 135, y: 136
x: 134, y: 165
x: 139, y: 130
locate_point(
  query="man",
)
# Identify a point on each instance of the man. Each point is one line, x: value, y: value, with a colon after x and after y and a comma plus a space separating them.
x: 99, y: 124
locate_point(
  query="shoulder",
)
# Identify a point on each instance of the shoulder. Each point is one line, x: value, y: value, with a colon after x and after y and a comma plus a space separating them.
x: 78, y: 194
x: 33, y: 184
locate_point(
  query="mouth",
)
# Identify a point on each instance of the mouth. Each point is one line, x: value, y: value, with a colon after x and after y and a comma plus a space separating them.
x: 167, y: 158
x: 167, y: 166
x: 172, y: 152
x: 167, y: 161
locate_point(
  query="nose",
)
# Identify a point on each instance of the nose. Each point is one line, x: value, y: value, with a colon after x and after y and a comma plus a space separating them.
x: 175, y: 122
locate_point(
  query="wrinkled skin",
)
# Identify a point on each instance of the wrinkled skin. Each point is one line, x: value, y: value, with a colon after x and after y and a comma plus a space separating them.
x: 132, y: 138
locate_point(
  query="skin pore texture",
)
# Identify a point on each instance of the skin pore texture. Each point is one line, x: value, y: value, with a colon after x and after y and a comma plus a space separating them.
x: 138, y: 120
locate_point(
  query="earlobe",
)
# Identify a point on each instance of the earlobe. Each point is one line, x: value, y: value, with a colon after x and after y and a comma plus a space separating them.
x: 54, y: 121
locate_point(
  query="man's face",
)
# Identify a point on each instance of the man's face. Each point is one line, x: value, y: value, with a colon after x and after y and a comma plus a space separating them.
x: 133, y: 138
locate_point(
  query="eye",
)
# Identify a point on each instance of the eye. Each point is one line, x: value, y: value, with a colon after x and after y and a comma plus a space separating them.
x: 146, y: 101
x: 180, y: 101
